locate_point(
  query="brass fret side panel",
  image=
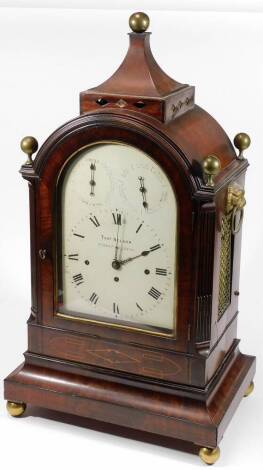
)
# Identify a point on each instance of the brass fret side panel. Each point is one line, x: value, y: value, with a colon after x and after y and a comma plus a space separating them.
x: 225, y: 274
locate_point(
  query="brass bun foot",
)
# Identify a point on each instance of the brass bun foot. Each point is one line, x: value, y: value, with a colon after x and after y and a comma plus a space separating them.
x: 209, y: 456
x: 249, y: 390
x: 15, y: 409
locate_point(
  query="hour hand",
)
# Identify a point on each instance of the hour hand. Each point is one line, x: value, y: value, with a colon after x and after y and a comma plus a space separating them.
x: 116, y: 264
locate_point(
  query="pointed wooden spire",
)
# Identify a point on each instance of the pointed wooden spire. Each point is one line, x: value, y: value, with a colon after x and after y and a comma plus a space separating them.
x: 139, y: 74
x: 140, y: 83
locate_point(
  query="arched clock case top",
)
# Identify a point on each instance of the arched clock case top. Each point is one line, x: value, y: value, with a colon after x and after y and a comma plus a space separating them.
x: 48, y: 165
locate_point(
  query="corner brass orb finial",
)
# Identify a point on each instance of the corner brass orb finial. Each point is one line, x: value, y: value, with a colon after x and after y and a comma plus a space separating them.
x: 211, y: 168
x: 139, y: 22
x: 242, y: 142
x: 209, y: 456
x: 29, y: 145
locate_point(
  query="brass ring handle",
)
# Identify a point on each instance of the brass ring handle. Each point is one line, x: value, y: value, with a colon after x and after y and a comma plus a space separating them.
x: 237, y: 226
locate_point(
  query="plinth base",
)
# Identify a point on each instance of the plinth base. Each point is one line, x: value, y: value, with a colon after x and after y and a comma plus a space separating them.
x: 163, y: 415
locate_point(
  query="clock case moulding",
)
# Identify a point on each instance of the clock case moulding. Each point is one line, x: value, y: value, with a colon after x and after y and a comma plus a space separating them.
x: 186, y: 387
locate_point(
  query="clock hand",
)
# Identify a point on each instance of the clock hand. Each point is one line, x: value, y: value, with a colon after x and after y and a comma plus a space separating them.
x: 143, y: 191
x: 117, y: 243
x: 92, y: 179
x: 116, y: 264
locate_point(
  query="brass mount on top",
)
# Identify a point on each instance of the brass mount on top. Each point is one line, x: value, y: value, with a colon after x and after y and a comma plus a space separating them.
x: 29, y: 145
x: 139, y: 22
x: 211, y: 168
x: 242, y: 142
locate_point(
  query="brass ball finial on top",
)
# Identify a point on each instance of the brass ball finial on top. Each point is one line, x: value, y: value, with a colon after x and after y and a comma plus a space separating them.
x: 242, y: 142
x: 139, y: 22
x: 211, y: 168
x: 29, y: 145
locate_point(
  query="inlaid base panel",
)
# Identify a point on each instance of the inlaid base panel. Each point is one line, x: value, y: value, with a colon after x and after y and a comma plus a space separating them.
x: 164, y: 415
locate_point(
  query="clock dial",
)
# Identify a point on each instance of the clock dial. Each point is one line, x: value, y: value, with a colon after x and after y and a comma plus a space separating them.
x: 88, y: 180
x: 143, y: 186
x: 118, y: 255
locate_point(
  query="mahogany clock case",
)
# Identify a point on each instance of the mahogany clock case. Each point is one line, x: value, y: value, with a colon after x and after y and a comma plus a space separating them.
x: 186, y: 386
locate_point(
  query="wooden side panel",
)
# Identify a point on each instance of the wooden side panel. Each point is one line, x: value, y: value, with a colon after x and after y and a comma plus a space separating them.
x: 33, y: 252
x: 226, y: 318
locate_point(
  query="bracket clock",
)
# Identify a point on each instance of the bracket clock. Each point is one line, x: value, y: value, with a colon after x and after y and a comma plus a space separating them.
x: 136, y: 211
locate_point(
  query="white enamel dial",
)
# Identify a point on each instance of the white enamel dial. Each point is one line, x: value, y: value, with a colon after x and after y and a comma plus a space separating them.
x: 151, y: 185
x: 89, y: 180
x: 118, y: 250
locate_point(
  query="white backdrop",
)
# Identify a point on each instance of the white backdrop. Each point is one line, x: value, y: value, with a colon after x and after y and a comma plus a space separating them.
x: 47, y: 56
x: 184, y: 5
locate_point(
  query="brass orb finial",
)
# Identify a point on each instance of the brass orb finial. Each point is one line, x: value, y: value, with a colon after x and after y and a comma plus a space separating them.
x: 242, y: 142
x: 211, y: 168
x: 139, y: 22
x: 29, y: 145
x: 209, y: 456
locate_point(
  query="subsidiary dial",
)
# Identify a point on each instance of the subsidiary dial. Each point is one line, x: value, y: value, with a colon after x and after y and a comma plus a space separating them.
x: 143, y: 187
x: 91, y: 180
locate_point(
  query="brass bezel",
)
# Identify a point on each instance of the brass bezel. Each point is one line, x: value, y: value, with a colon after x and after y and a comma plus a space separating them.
x: 80, y: 319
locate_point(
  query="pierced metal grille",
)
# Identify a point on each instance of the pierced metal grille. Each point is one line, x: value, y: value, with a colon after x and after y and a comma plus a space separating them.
x: 225, y: 274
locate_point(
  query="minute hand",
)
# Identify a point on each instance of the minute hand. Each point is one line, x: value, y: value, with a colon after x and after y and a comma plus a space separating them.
x: 143, y: 253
